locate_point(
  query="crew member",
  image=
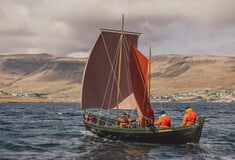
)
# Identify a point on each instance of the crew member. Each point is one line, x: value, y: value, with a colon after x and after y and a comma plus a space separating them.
x: 189, y: 117
x: 90, y: 119
x: 163, y: 121
x: 150, y: 114
x: 124, y: 120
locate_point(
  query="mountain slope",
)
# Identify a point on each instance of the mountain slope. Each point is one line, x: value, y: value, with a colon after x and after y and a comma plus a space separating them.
x: 60, y: 77
x: 45, y: 74
x: 177, y: 73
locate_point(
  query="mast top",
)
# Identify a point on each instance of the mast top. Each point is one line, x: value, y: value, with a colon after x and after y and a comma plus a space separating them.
x: 119, y: 31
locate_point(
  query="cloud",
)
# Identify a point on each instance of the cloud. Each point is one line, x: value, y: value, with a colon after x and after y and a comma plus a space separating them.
x: 62, y: 28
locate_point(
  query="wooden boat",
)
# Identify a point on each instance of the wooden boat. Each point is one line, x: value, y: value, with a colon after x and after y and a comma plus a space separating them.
x: 178, y: 135
x: 117, y: 79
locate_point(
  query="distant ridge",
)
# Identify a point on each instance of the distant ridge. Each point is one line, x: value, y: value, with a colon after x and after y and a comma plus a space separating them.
x: 180, y: 73
x: 56, y: 76
x: 41, y: 73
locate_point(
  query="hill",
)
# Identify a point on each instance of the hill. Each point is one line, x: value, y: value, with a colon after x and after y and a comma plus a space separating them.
x: 55, y: 77
x: 178, y: 73
x: 58, y: 79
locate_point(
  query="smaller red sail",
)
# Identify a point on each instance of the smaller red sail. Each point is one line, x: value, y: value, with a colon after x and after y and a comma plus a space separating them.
x: 138, y: 68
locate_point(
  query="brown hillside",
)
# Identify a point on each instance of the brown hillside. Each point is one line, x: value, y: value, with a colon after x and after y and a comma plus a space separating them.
x: 176, y: 73
x: 59, y: 76
x: 42, y: 73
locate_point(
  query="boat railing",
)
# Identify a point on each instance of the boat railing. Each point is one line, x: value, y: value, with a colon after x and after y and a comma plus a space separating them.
x: 99, y: 120
x: 109, y: 122
x: 105, y: 121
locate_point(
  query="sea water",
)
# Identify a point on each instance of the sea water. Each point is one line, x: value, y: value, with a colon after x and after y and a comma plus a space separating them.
x: 55, y: 131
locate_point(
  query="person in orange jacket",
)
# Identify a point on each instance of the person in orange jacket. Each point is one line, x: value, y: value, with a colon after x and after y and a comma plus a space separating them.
x: 124, y: 120
x: 189, y: 117
x: 163, y: 121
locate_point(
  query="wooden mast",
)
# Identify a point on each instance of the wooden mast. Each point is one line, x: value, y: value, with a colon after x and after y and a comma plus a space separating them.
x: 119, y: 70
x: 149, y: 73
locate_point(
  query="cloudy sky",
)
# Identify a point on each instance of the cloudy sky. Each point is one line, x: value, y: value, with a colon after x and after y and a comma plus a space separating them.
x: 70, y: 27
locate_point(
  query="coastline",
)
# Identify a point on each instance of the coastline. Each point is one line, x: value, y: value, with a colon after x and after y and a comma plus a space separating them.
x: 36, y: 100
x: 70, y: 100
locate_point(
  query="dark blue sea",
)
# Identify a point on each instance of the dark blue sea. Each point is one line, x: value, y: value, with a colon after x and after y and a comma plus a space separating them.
x: 55, y: 131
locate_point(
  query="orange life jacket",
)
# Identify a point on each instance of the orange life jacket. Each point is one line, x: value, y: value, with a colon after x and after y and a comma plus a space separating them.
x: 163, y: 122
x: 191, y: 118
x: 124, y: 121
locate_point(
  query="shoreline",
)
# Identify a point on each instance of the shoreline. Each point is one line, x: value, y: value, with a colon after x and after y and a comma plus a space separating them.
x: 13, y: 99
x: 37, y: 100
x: 2, y: 100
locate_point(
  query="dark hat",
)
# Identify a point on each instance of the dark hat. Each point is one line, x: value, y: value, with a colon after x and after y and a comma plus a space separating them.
x: 187, y: 108
x: 162, y: 112
x: 125, y: 113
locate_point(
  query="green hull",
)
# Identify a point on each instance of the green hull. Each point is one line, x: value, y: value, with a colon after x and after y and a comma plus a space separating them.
x: 176, y: 135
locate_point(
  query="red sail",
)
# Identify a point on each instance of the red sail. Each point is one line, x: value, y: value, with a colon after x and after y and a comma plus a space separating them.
x: 138, y: 68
